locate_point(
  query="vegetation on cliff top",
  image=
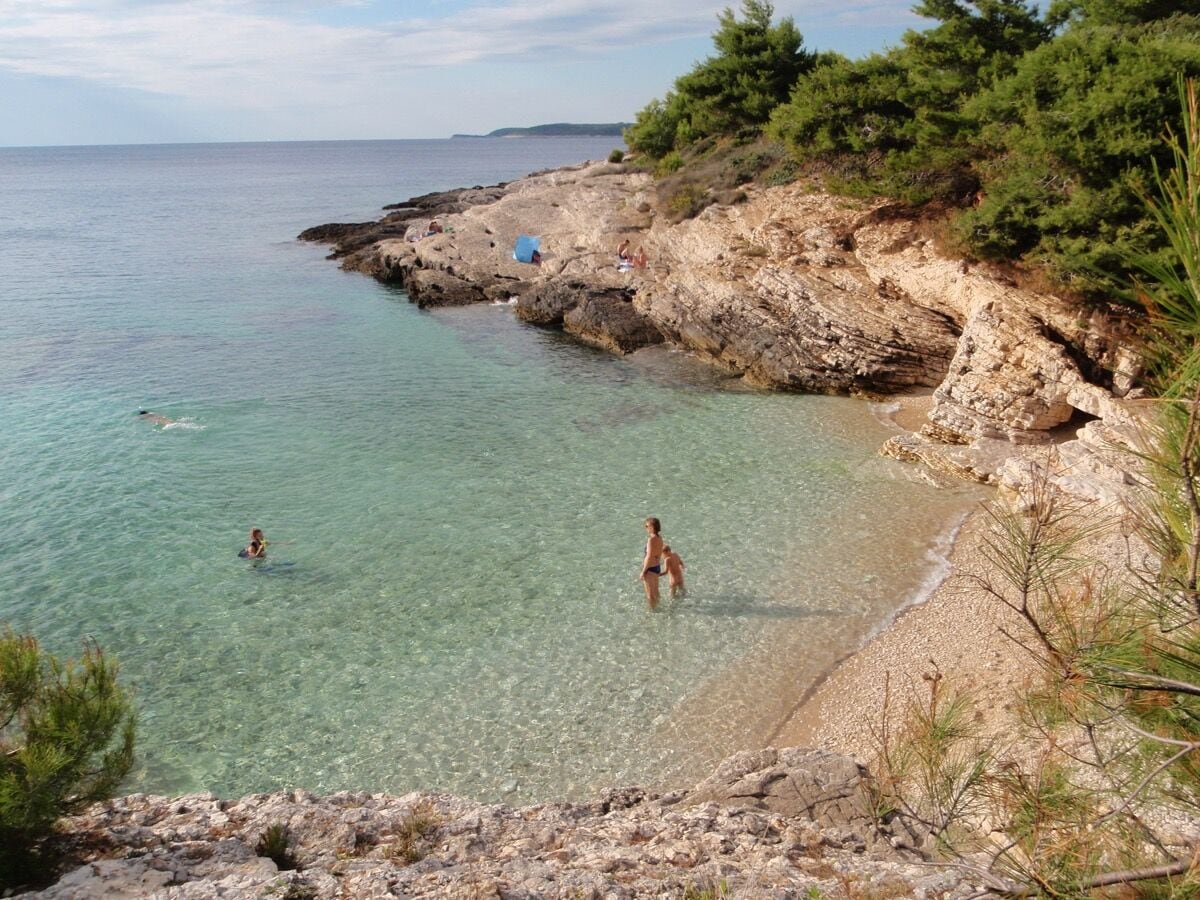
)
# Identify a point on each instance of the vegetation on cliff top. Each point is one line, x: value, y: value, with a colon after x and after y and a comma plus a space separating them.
x: 1040, y: 130
x: 66, y: 740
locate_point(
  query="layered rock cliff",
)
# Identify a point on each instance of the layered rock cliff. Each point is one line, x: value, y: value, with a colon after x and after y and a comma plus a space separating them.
x: 793, y: 289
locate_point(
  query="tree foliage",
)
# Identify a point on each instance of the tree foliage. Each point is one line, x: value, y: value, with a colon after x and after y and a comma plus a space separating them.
x: 66, y: 740
x: 1041, y: 130
x: 754, y: 69
x: 1071, y: 140
x: 975, y: 44
x: 1118, y: 12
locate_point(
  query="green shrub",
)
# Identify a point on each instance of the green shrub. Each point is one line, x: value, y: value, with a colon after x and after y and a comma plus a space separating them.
x: 845, y: 106
x: 1073, y: 138
x: 275, y: 843
x: 688, y: 201
x: 412, y: 837
x: 618, y: 155
x: 656, y: 129
x: 66, y: 740
x: 669, y: 164
x: 785, y: 173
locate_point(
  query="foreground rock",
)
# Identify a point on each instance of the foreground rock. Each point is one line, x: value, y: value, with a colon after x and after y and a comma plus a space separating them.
x: 786, y: 823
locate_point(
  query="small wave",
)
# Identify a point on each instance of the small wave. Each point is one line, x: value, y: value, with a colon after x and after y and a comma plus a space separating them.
x: 183, y: 425
x: 511, y: 301
x: 939, y: 557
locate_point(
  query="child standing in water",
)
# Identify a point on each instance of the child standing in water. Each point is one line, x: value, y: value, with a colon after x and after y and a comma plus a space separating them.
x: 674, y: 564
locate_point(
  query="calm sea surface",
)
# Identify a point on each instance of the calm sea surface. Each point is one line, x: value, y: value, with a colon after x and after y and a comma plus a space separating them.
x: 454, y: 500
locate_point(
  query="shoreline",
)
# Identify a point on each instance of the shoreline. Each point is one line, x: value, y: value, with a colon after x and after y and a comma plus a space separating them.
x: 956, y: 632
x: 942, y: 571
x: 749, y: 702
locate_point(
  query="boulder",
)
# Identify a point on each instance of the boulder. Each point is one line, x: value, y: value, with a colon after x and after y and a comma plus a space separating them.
x: 610, y: 321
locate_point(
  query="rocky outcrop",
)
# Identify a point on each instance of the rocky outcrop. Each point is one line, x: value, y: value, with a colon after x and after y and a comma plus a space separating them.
x: 603, y: 317
x: 763, y: 290
x: 774, y: 823
x: 792, y: 289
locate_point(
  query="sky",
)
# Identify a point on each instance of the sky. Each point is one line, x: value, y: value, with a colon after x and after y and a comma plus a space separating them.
x: 165, y: 71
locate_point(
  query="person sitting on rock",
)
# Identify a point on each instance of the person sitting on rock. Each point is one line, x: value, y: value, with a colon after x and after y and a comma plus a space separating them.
x: 639, y: 258
x: 435, y: 227
x: 623, y: 251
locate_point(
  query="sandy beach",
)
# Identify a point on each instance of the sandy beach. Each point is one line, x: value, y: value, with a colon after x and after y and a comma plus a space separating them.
x: 956, y: 631
x: 959, y: 632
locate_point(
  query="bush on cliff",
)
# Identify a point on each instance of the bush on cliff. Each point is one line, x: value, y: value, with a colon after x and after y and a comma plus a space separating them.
x: 901, y: 114
x: 66, y: 740
x: 1071, y: 142
x: 754, y: 69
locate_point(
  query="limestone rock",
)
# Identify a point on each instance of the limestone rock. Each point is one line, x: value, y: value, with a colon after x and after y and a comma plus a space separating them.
x: 816, y: 785
x: 610, y: 321
x: 780, y: 824
x: 792, y: 289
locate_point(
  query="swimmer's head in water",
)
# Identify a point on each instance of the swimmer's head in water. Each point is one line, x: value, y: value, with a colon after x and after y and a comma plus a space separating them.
x: 143, y: 412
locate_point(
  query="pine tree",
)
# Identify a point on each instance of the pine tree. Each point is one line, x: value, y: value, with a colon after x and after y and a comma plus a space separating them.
x: 66, y: 740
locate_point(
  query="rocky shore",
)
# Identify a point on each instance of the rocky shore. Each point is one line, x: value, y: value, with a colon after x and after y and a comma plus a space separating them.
x: 787, y: 823
x: 792, y: 289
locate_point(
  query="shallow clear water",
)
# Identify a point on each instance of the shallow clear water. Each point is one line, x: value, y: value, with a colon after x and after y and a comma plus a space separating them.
x: 454, y: 500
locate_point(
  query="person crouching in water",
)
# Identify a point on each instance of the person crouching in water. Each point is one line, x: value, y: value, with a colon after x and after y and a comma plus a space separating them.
x: 675, y: 567
x: 652, y: 565
x: 257, y: 548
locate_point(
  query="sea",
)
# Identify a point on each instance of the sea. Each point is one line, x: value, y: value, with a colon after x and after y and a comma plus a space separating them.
x: 454, y: 500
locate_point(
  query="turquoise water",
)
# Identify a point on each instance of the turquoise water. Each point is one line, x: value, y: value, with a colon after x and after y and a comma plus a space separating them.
x: 454, y: 500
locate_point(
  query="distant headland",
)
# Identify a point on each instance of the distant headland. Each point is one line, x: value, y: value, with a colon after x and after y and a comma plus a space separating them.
x: 558, y: 129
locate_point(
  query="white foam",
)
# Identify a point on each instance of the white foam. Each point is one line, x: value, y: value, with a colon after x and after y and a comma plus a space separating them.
x: 938, y: 556
x: 183, y: 425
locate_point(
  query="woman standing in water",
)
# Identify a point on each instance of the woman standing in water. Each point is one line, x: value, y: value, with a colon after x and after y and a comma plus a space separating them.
x: 652, y: 567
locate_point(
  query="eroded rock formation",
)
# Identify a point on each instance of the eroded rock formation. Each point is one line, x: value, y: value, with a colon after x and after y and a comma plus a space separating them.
x: 793, y: 289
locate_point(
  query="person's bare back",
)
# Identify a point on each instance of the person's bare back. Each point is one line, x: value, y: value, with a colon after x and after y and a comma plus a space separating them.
x: 675, y: 567
x: 154, y: 418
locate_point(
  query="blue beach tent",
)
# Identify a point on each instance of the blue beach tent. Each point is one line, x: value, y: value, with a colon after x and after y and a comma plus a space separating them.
x: 526, y: 245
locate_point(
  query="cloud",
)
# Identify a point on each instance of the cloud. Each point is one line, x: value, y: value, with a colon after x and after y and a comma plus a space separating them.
x: 262, y: 52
